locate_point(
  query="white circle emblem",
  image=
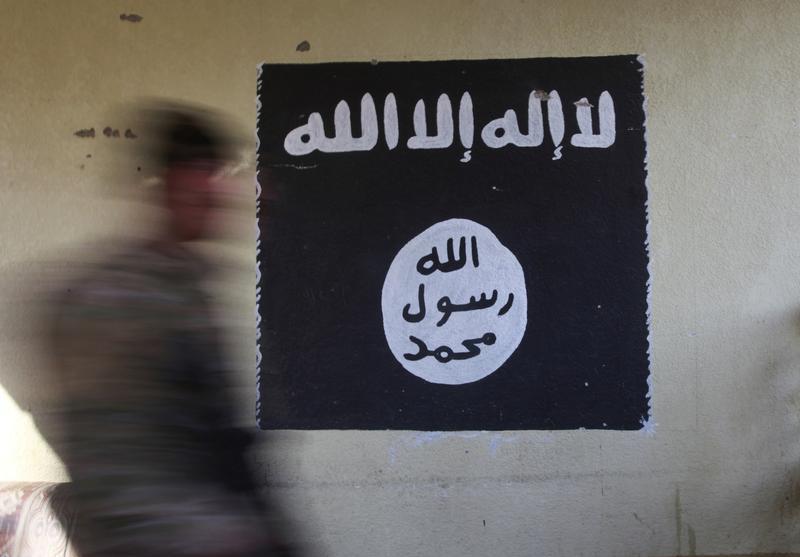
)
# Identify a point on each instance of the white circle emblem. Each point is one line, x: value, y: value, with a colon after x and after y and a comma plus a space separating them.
x: 454, y: 303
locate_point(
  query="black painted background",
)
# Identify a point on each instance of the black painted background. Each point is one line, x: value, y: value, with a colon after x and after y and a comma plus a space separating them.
x: 331, y: 225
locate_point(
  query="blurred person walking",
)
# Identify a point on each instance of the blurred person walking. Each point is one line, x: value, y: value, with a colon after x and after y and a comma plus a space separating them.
x: 157, y: 466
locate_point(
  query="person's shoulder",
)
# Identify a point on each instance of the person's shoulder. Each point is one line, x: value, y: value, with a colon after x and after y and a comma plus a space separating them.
x: 131, y: 276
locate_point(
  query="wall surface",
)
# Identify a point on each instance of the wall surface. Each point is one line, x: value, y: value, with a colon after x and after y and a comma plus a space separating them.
x: 717, y: 472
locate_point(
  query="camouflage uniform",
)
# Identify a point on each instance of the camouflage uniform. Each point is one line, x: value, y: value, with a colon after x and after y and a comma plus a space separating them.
x: 157, y: 467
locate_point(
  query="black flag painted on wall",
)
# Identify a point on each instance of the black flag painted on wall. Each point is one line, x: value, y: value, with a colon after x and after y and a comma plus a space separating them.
x: 454, y: 245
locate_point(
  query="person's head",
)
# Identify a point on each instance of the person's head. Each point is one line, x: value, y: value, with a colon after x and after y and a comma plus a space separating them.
x: 193, y: 193
x: 191, y: 152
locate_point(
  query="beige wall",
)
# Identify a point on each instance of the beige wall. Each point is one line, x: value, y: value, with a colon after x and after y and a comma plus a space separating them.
x: 718, y: 474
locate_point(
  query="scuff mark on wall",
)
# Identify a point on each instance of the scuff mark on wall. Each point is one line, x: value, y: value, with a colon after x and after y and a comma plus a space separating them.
x: 498, y: 439
x: 108, y: 131
x: 678, y: 518
x: 416, y: 440
x: 643, y: 523
x: 132, y: 18
x: 692, y: 540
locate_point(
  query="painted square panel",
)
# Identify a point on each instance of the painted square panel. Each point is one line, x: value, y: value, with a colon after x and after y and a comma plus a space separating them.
x: 453, y: 245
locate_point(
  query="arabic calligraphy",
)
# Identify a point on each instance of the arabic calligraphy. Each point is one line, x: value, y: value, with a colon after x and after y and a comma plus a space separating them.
x: 454, y: 303
x: 430, y: 263
x: 448, y: 307
x: 311, y: 135
x: 495, y: 134
x: 444, y: 354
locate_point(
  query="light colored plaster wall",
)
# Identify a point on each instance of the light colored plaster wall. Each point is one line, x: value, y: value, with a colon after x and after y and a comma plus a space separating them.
x: 719, y: 472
